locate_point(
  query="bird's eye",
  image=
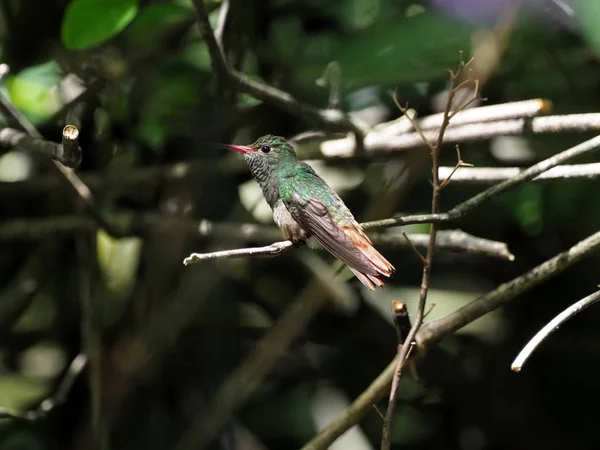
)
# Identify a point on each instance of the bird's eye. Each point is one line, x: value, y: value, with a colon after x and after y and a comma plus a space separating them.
x: 265, y: 149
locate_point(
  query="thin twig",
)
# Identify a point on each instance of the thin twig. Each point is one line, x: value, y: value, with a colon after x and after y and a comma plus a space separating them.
x: 459, y: 163
x: 551, y: 327
x: 221, y: 23
x: 217, y: 59
x: 453, y: 240
x: 462, y: 209
x: 331, y: 118
x: 415, y: 249
x: 406, y: 347
x: 58, y: 398
x: 432, y: 332
x: 275, y: 249
x: 404, y: 110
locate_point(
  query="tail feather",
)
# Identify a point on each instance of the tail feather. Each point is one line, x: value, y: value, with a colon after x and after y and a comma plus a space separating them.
x: 370, y: 281
x: 380, y: 265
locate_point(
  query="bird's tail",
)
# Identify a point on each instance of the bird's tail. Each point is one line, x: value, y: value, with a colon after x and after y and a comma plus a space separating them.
x: 381, y: 266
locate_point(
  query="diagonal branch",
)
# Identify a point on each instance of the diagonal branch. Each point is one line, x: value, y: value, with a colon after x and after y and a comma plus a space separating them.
x: 70, y: 135
x: 77, y: 366
x: 432, y: 332
x: 491, y: 175
x: 462, y: 209
x: 331, y: 118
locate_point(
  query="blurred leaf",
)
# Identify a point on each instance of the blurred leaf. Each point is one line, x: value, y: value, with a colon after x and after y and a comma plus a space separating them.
x: 35, y: 91
x: 286, y: 36
x: 410, y: 426
x: 15, y: 166
x: 253, y: 200
x: 17, y: 391
x: 408, y: 50
x: 154, y: 21
x: 196, y: 55
x: 167, y: 110
x: 88, y: 23
x: 526, y: 204
x: 40, y: 315
x: 588, y: 15
x: 284, y: 414
x: 356, y: 14
x: 118, y: 260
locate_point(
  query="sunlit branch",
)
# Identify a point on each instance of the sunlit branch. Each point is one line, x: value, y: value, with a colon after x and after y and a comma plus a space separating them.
x: 551, y: 327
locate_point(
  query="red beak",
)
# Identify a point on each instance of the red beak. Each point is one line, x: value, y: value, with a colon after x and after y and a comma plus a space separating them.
x: 239, y: 148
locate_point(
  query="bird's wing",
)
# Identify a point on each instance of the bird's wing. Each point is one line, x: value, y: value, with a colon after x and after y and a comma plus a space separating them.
x: 345, y: 240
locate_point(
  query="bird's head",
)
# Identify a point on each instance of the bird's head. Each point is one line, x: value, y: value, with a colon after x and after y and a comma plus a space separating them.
x: 268, y: 153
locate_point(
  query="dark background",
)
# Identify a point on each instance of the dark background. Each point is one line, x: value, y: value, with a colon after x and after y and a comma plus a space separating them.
x: 153, y: 101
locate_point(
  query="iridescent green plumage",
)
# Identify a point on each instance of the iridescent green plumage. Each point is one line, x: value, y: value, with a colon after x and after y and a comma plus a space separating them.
x: 304, y: 205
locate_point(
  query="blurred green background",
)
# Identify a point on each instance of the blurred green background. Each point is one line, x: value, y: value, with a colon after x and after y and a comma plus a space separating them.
x: 163, y: 337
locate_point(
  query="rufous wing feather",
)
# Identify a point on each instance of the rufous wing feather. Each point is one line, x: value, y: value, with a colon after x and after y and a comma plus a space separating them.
x: 347, y: 243
x: 370, y: 253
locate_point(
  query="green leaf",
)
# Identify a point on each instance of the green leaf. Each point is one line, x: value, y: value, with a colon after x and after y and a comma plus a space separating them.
x: 88, y: 23
x: 154, y: 22
x: 34, y: 91
x: 588, y: 15
x: 392, y: 52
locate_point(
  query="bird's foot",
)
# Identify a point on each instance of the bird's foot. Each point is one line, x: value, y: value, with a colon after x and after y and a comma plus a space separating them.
x: 299, y: 242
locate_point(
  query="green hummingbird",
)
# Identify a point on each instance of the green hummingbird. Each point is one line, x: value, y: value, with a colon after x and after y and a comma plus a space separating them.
x: 305, y: 206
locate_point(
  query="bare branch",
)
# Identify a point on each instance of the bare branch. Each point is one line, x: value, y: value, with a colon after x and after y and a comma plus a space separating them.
x: 415, y: 249
x: 405, y: 349
x: 11, y: 112
x: 331, y: 118
x: 432, y: 332
x: 220, y: 28
x: 459, y: 241
x: 507, y: 291
x: 467, y: 206
x: 455, y: 240
x: 459, y: 163
x: 67, y: 153
x: 383, y: 143
x: 69, y: 143
x: 217, y: 59
x: 275, y: 249
x: 481, y: 114
x: 404, y: 110
x: 552, y: 326
x: 491, y: 175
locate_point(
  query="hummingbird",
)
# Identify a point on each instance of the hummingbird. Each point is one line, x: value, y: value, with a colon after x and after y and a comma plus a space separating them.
x: 305, y: 206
